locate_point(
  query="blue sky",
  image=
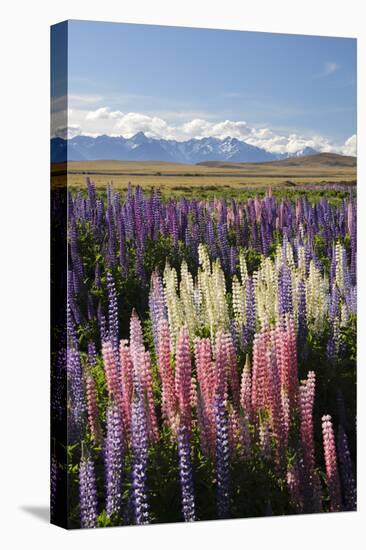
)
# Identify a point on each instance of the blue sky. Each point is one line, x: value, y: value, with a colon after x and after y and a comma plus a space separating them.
x: 179, y: 83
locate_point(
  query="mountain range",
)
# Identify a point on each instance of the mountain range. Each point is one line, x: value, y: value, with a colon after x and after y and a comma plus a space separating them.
x: 142, y: 148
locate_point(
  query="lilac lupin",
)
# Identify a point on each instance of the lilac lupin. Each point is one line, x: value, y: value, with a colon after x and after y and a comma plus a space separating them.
x: 139, y: 462
x: 185, y: 471
x: 285, y: 291
x: 76, y: 392
x: 250, y: 312
x: 88, y: 494
x: 58, y: 385
x: 114, y: 454
x: 112, y: 313
x: 157, y: 305
x: 222, y: 458
x: 74, y: 253
x: 301, y: 315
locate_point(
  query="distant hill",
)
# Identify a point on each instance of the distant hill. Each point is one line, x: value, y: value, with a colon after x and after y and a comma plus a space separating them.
x: 142, y: 148
x: 313, y: 161
x: 320, y: 159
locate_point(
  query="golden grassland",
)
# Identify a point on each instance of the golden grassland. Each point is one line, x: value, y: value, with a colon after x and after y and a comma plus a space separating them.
x: 186, y: 178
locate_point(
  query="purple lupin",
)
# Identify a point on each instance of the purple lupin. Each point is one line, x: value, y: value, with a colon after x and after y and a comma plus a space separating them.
x: 113, y: 460
x: 185, y: 471
x: 88, y: 494
x: 139, y: 461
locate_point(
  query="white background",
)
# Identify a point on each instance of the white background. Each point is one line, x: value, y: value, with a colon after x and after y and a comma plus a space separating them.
x: 24, y: 298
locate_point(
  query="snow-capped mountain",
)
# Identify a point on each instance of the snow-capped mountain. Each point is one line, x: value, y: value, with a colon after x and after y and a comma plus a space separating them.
x: 141, y: 147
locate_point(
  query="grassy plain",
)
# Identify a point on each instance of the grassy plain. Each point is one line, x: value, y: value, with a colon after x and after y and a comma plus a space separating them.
x: 209, y: 178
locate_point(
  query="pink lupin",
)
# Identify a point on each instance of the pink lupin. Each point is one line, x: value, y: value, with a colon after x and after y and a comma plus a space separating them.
x: 205, y: 369
x: 233, y: 429
x: 136, y: 336
x: 275, y: 406
x: 283, y: 362
x: 126, y: 383
x: 285, y: 342
x: 246, y: 390
x: 206, y: 388
x: 169, y: 400
x: 141, y: 374
x: 331, y: 467
x: 231, y: 368
x: 146, y: 379
x: 183, y: 374
x: 307, y: 394
x: 93, y: 419
x: 111, y: 372
x: 292, y: 377
x: 259, y: 389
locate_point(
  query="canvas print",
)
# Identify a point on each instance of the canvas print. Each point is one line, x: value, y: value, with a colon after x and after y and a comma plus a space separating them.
x: 204, y: 221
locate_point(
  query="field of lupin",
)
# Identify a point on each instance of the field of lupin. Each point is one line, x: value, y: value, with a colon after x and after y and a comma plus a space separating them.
x: 210, y: 358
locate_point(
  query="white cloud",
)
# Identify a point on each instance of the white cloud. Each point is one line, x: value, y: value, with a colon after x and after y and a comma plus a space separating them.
x: 197, y: 127
x: 106, y: 121
x: 131, y: 123
x: 103, y: 112
x: 277, y: 143
x: 350, y: 146
x: 238, y: 129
